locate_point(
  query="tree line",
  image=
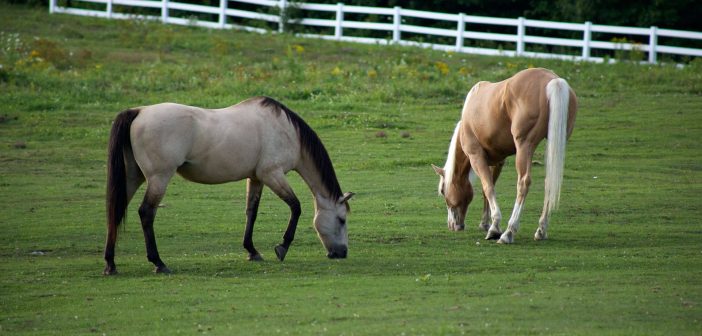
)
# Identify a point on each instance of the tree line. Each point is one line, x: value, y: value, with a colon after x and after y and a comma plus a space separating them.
x: 672, y: 14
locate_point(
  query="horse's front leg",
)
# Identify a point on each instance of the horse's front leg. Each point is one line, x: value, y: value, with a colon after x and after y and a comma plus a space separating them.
x: 254, y: 188
x: 295, y: 211
x: 279, y: 184
x: 479, y: 164
x: 485, y: 219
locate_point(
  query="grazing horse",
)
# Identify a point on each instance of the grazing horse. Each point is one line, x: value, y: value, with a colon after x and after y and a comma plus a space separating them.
x: 502, y: 119
x: 258, y: 139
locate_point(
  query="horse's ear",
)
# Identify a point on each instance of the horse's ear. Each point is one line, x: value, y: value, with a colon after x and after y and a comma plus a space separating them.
x: 439, y: 171
x: 346, y: 197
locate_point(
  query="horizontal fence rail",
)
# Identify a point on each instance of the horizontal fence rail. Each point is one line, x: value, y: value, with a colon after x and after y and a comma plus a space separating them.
x: 520, y: 43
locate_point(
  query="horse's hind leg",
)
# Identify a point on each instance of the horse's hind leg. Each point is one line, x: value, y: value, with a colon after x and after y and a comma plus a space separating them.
x: 254, y: 188
x: 540, y: 233
x: 135, y: 179
x: 525, y: 152
x: 155, y: 191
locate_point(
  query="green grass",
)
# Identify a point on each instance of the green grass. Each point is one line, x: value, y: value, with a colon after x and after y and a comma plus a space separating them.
x: 625, y: 250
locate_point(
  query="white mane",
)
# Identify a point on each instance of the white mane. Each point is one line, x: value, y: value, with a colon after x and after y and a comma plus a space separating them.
x: 450, y: 164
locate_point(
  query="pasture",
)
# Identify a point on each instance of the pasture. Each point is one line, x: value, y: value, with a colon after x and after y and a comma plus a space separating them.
x: 624, y: 254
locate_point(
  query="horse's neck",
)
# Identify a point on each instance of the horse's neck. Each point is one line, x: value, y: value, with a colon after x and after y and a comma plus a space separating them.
x: 457, y: 164
x: 461, y: 163
x: 308, y: 171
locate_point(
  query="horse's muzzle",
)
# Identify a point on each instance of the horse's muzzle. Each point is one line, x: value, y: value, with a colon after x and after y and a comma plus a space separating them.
x: 337, y: 252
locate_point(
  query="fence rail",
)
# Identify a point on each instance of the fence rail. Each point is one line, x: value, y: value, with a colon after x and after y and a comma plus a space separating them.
x: 395, y: 25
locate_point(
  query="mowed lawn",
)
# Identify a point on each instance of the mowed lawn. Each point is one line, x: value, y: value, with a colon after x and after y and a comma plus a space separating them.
x: 625, y: 250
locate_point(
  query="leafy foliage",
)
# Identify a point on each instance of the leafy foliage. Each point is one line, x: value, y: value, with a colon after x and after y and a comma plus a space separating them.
x: 681, y: 14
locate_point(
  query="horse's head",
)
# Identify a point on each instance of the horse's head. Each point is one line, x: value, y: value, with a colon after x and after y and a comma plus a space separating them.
x: 330, y: 223
x: 457, y: 193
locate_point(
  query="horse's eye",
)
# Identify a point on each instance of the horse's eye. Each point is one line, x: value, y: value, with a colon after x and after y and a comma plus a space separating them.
x: 342, y: 221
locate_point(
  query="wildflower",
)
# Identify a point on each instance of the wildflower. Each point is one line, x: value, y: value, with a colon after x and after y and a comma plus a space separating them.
x: 464, y: 71
x: 442, y: 67
x: 298, y: 48
x: 336, y: 71
x: 372, y: 73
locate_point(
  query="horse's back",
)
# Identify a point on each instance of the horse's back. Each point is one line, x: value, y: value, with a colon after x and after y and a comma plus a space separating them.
x: 498, y: 113
x: 206, y: 145
x: 484, y: 121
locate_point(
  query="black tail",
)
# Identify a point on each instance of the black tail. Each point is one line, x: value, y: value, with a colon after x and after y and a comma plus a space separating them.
x: 117, y: 171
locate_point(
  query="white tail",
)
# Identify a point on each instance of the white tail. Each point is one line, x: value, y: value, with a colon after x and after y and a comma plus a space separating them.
x: 558, y: 94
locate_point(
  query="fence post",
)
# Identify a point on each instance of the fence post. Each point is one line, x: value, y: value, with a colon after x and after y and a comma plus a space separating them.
x: 109, y: 9
x: 52, y: 6
x: 282, y: 16
x: 461, y: 29
x: 396, y: 22
x: 223, y: 13
x: 652, y: 44
x: 338, y: 29
x: 164, y: 11
x: 587, y: 37
x: 520, y: 36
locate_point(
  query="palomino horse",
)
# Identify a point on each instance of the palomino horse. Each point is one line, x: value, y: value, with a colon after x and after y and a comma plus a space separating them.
x: 499, y: 120
x: 259, y: 139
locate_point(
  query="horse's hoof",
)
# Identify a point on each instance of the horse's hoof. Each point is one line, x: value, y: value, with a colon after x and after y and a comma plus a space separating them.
x: 506, y: 238
x: 540, y: 235
x: 280, y: 252
x: 255, y: 257
x: 162, y: 269
x: 493, y: 235
x: 109, y: 271
x: 456, y: 227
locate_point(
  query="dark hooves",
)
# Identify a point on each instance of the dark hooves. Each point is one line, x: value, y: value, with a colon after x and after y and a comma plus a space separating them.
x: 162, y: 269
x: 493, y: 235
x: 255, y: 257
x: 281, y: 251
x: 109, y: 271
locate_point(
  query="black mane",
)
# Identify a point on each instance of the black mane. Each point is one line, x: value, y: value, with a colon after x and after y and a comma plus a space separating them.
x: 311, y: 144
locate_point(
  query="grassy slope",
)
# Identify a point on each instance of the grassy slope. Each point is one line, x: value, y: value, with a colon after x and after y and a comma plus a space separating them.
x: 624, y: 255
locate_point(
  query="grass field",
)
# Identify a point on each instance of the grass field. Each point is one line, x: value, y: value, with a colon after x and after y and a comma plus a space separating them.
x: 625, y: 250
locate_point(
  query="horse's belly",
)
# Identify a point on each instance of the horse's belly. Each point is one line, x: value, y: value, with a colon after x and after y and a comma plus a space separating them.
x: 214, y: 173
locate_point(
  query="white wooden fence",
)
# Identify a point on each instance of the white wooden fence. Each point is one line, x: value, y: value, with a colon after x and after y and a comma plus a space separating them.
x: 394, y: 23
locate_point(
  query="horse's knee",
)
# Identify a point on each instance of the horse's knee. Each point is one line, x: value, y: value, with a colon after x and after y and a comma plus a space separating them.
x: 294, y: 205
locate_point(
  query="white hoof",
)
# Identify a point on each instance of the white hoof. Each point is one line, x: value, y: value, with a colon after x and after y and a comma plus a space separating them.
x: 506, y: 238
x: 540, y: 234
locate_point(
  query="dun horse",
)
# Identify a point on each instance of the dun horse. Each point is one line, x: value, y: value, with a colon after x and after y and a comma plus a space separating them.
x: 502, y: 119
x: 258, y: 139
